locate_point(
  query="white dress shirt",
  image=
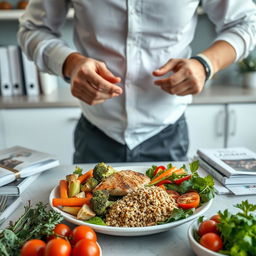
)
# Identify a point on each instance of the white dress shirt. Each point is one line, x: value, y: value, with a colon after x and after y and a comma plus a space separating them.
x: 133, y: 38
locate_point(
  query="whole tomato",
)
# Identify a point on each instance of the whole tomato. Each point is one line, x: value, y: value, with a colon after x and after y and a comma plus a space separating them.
x: 33, y: 247
x: 211, y: 241
x: 216, y: 218
x: 208, y: 226
x: 62, y: 230
x: 81, y: 232
x: 87, y: 248
x: 58, y: 247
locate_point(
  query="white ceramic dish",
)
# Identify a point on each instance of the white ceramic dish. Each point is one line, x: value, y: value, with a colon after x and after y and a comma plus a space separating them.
x: 197, y: 248
x: 100, y: 249
x: 122, y: 231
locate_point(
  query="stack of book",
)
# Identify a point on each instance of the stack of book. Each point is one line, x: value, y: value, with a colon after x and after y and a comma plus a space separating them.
x: 19, y: 168
x: 234, y: 168
x: 19, y: 75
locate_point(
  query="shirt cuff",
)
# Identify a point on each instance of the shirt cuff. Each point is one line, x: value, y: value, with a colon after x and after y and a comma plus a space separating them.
x: 236, y: 41
x: 56, y: 57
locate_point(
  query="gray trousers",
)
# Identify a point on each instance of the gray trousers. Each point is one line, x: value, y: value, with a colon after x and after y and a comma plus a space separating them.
x: 94, y: 146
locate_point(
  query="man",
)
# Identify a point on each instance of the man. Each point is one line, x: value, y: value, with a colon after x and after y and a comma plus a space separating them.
x: 132, y: 69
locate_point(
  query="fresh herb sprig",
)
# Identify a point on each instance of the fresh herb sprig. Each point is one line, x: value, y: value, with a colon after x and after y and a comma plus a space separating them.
x: 35, y: 223
x: 238, y: 231
x: 178, y: 214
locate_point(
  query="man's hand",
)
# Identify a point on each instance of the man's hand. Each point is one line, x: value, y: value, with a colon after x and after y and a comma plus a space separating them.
x: 91, y: 81
x: 188, y: 77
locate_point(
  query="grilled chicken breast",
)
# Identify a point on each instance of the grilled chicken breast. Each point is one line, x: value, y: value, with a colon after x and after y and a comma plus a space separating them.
x: 123, y: 182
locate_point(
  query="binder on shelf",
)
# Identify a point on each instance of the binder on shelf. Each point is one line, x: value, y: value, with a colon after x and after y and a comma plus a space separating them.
x: 5, y: 74
x: 30, y: 76
x: 16, y: 71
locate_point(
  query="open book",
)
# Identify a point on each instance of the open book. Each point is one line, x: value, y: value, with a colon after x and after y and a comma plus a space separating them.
x: 18, y: 162
x: 230, y: 161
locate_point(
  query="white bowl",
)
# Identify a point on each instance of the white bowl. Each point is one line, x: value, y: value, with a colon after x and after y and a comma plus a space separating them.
x: 198, y: 248
x: 126, y: 231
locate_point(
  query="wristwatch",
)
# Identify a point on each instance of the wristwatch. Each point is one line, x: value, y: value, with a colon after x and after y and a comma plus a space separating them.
x: 206, y: 64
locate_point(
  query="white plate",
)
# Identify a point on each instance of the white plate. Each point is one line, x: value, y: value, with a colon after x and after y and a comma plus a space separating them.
x: 122, y: 231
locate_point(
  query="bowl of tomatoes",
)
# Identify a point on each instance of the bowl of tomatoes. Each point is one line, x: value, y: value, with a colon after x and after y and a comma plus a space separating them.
x: 226, y: 233
x: 204, y: 237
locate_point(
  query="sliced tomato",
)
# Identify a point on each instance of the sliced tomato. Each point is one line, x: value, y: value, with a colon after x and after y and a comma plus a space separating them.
x: 163, y: 182
x: 173, y: 194
x: 179, y: 181
x: 159, y: 169
x: 188, y: 200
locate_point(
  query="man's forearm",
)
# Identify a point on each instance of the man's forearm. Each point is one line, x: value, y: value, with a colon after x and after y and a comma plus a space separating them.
x: 221, y: 54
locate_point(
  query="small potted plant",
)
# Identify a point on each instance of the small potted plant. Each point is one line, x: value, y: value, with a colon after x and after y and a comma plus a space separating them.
x: 248, y: 69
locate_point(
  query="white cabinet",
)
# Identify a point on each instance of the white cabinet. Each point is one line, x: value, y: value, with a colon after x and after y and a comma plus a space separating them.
x: 241, y: 128
x: 46, y: 129
x: 206, y: 124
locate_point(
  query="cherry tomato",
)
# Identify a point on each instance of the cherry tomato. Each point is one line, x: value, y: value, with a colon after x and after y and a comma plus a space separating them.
x: 159, y: 169
x: 216, y: 218
x: 62, y: 230
x: 173, y: 194
x: 33, y: 247
x: 81, y: 232
x: 58, y: 247
x: 179, y: 181
x: 164, y: 182
x: 188, y: 200
x: 208, y: 226
x: 211, y: 241
x: 86, y: 247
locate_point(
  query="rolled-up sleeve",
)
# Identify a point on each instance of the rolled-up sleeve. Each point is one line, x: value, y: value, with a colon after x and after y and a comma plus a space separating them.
x: 235, y: 22
x: 39, y: 35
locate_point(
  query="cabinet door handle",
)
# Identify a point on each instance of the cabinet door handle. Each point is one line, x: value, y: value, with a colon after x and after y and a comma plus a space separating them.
x: 220, y: 123
x: 232, y: 122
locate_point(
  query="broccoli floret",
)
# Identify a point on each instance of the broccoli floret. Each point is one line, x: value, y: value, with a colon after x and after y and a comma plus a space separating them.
x: 101, y: 171
x: 89, y: 185
x: 100, y: 202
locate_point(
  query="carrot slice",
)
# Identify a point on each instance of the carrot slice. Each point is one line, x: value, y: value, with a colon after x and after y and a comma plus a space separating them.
x: 71, y: 201
x: 163, y: 176
x: 63, y: 189
x: 85, y: 176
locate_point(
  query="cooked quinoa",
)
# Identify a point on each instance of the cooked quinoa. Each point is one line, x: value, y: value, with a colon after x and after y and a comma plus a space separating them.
x: 140, y: 208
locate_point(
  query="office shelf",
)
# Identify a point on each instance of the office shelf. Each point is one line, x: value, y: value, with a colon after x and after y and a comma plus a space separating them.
x: 15, y: 14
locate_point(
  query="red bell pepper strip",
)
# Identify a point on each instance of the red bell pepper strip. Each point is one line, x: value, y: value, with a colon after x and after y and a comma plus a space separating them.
x: 158, y: 169
x: 179, y: 181
x: 163, y: 182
